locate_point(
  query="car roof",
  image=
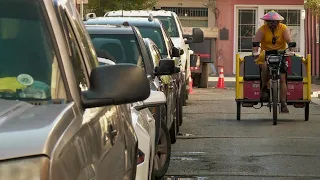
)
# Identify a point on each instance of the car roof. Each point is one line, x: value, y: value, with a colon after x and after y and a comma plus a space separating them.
x: 139, y: 13
x: 109, y: 29
x: 133, y: 21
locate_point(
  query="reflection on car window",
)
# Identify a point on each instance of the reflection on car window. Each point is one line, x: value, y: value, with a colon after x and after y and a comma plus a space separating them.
x: 156, y: 56
x: 170, y: 25
x: 155, y: 34
x: 28, y: 64
x: 122, y: 47
x: 77, y: 61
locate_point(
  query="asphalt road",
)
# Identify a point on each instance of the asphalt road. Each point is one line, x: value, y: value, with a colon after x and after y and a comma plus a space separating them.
x: 214, y: 145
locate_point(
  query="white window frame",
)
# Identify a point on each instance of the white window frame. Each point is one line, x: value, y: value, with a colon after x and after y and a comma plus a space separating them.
x: 260, y: 12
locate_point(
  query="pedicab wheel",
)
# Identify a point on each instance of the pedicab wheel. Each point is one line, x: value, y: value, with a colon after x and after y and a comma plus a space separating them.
x: 238, y: 110
x: 275, y: 102
x: 306, y: 112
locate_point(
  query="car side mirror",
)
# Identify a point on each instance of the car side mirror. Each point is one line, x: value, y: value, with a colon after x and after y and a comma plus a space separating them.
x: 116, y: 84
x: 166, y: 67
x: 197, y: 36
x: 181, y: 51
x: 90, y: 16
x: 175, y: 52
x: 255, y: 44
x: 292, y: 44
x: 156, y: 98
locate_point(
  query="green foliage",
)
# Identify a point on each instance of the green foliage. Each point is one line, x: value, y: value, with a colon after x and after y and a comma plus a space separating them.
x: 313, y: 5
x: 101, y: 6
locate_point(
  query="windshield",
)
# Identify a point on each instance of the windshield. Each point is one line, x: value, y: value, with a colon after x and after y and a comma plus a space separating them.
x: 155, y: 34
x: 122, y: 48
x: 28, y: 65
x: 170, y: 25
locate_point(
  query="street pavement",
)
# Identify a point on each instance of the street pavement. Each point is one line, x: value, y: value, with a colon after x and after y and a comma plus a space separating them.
x: 214, y: 145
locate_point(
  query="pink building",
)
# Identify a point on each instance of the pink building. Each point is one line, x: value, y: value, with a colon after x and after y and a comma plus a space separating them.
x: 242, y: 19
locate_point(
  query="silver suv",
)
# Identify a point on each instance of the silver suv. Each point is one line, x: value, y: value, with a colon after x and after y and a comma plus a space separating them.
x: 61, y: 116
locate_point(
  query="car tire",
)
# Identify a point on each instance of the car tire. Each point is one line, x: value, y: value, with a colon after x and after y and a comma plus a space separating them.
x: 161, y: 168
x: 180, y: 117
x: 173, y: 128
x: 184, y: 94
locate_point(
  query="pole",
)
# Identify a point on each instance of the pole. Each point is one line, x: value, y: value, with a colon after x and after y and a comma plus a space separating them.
x: 81, y: 9
x: 122, y: 7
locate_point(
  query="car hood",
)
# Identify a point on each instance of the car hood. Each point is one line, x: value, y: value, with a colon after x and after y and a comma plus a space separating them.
x: 27, y: 129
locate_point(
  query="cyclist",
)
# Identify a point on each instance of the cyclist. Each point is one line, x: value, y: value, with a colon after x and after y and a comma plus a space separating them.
x: 273, y: 35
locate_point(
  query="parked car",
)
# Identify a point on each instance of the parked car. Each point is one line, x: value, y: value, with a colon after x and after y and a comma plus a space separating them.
x: 163, y: 153
x: 59, y: 118
x: 126, y: 45
x: 152, y: 28
x: 173, y: 25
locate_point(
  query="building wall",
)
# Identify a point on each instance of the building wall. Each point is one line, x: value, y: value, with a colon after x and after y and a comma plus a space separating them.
x: 225, y: 48
x: 312, y: 46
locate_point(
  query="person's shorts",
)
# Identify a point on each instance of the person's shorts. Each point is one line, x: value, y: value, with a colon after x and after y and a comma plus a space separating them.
x: 261, y: 60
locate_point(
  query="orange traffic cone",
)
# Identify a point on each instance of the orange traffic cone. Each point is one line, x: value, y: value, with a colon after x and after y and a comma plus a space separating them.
x: 220, y: 83
x: 190, y: 85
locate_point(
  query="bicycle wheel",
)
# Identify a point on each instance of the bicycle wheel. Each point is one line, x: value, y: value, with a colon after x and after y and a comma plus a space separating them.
x: 275, y: 101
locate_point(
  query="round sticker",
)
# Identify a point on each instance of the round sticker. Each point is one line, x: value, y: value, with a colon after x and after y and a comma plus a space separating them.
x: 25, y: 79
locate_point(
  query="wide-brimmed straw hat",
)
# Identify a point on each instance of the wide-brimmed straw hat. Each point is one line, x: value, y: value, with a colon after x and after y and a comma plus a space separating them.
x: 272, y: 16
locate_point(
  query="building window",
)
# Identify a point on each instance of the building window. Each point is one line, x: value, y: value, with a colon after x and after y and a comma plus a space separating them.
x: 292, y: 20
x: 246, y: 29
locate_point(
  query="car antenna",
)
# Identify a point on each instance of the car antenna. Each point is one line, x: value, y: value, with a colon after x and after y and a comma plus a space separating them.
x: 122, y: 7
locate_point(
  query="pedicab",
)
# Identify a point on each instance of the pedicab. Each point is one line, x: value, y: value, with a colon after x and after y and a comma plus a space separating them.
x: 248, y: 82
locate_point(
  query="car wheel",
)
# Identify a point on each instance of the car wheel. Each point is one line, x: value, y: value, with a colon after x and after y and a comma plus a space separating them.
x: 180, y: 112
x: 163, y: 154
x: 184, y: 95
x: 173, y: 129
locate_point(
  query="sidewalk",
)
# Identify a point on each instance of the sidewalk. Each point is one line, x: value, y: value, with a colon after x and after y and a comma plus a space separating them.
x: 315, y: 90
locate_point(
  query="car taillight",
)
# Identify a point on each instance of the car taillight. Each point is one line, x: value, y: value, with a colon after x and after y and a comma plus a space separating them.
x: 140, y: 158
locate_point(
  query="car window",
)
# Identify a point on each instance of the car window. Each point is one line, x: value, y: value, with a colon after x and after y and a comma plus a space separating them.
x: 155, y: 34
x: 29, y: 69
x: 87, y: 46
x: 156, y: 56
x: 170, y: 25
x: 123, y: 48
x: 77, y: 59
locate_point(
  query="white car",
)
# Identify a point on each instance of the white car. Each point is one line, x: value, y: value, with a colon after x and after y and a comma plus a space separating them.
x: 173, y: 25
x: 145, y: 128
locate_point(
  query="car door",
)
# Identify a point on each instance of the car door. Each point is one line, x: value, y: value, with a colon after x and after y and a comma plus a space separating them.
x: 166, y: 82
x: 101, y: 150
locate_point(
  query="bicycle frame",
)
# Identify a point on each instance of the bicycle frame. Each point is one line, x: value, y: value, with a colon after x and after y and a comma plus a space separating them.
x: 274, y: 74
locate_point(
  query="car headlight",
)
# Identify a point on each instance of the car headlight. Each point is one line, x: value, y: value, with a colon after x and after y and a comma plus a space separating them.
x: 30, y: 168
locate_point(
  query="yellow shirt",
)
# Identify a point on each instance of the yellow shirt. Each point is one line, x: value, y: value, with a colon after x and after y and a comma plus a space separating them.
x: 266, y: 42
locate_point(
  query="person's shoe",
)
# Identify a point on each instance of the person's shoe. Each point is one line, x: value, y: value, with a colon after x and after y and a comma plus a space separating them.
x: 284, y: 108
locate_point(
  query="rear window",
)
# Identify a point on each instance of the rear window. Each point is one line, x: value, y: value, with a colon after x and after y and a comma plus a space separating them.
x: 155, y: 34
x: 170, y: 25
x: 28, y: 66
x: 121, y: 48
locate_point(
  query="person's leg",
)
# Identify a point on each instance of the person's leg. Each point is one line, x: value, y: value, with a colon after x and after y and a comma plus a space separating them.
x: 214, y: 72
x: 213, y: 68
x: 264, y: 81
x: 283, y: 93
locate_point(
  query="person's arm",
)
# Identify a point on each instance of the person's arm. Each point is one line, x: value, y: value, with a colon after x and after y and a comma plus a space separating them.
x: 287, y: 37
x: 257, y: 38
